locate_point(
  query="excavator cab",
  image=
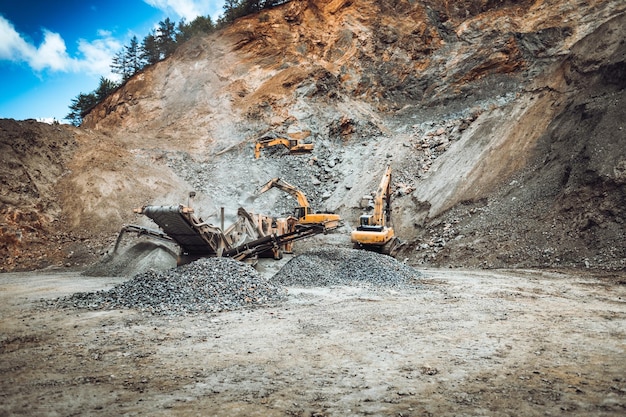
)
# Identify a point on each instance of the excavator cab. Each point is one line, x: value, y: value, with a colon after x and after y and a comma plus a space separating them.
x: 366, y: 224
x: 366, y: 220
x: 301, y: 212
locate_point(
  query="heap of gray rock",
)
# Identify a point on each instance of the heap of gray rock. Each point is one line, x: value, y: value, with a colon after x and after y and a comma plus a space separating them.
x: 342, y: 266
x: 211, y: 285
x: 204, y: 286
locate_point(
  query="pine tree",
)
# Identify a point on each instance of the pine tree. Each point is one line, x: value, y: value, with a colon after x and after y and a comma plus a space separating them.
x: 121, y: 66
x: 199, y: 25
x: 132, y: 56
x: 149, y: 50
x: 183, y: 31
x: 166, y: 37
x: 202, y: 24
x: 231, y: 11
x: 81, y: 105
x: 105, y: 88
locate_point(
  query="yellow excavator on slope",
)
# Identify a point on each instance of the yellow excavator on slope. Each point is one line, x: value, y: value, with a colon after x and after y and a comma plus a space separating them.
x: 294, y: 145
x: 304, y: 213
x: 373, y: 233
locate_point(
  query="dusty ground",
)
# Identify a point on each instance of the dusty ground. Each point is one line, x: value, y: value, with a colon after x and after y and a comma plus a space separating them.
x: 463, y: 342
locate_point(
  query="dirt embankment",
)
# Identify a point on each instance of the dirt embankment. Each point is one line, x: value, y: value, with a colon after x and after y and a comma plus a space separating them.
x: 566, y: 205
x: 66, y: 191
x: 35, y: 158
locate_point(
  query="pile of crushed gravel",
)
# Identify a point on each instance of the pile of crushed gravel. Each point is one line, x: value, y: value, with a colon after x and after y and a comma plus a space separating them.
x: 341, y: 266
x: 212, y: 285
x: 204, y: 286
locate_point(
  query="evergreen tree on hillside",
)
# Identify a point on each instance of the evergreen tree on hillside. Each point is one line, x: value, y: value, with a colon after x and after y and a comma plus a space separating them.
x: 251, y: 6
x: 231, y: 11
x: 200, y: 25
x: 149, y: 50
x: 105, y: 88
x: 80, y: 106
x: 128, y: 61
x: 182, y: 31
x: 133, y: 56
x: 234, y: 9
x: 121, y: 66
x: 166, y: 37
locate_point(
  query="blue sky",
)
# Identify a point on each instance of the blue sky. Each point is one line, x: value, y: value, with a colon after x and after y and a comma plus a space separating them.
x: 50, y: 51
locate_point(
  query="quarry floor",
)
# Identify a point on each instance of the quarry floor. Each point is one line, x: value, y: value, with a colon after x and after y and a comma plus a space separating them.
x: 462, y: 342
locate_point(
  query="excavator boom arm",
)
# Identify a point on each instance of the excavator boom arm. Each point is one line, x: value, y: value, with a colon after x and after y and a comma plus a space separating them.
x: 267, y: 143
x: 288, y: 188
x: 382, y: 199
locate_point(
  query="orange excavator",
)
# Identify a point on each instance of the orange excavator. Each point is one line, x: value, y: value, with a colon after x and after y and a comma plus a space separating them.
x: 293, y: 145
x: 304, y: 213
x: 373, y: 231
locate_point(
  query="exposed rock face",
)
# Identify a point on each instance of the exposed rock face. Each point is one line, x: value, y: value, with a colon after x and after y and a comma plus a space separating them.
x: 65, y: 190
x: 385, y: 55
x: 569, y: 192
x: 501, y: 120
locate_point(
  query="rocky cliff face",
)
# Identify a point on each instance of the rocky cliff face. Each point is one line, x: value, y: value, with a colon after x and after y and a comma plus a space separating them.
x: 385, y: 56
x: 502, y: 122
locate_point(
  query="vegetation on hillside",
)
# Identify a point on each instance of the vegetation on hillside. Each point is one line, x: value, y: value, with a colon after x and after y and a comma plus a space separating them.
x: 158, y: 45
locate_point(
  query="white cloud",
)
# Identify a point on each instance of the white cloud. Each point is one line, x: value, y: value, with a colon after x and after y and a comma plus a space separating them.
x: 94, y: 56
x: 12, y: 46
x: 104, y: 33
x: 97, y: 56
x: 50, y: 54
x: 189, y: 9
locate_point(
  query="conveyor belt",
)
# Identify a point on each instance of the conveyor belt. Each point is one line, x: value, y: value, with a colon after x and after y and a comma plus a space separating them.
x: 194, y: 237
x: 266, y: 243
x: 197, y: 239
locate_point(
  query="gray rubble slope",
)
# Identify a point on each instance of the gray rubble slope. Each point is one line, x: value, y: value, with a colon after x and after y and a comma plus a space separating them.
x: 565, y: 206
